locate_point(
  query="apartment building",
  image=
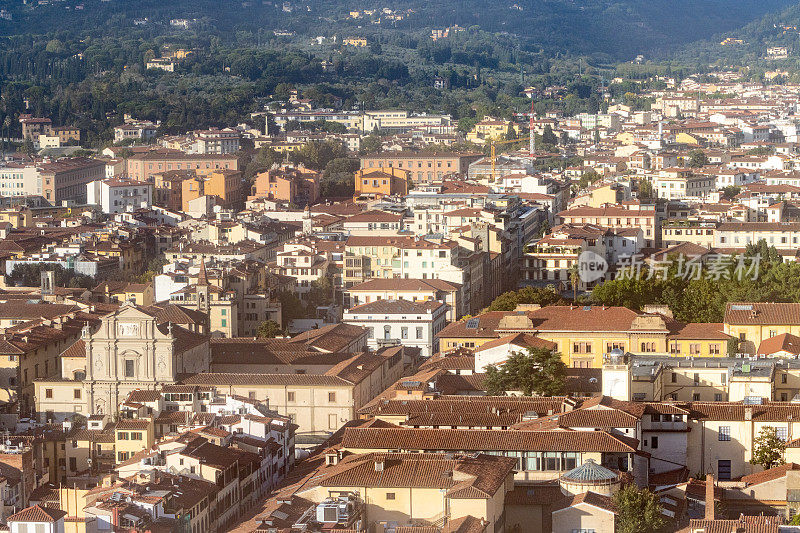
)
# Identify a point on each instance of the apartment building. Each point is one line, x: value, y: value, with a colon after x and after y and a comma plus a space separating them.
x: 295, y: 185
x: 20, y: 180
x: 136, y: 131
x: 379, y: 182
x: 318, y: 403
x: 623, y: 216
x: 737, y: 235
x: 424, y: 167
x: 117, y: 195
x: 145, y: 166
x: 392, y: 322
x: 66, y: 179
x: 413, y: 290
x: 585, y: 334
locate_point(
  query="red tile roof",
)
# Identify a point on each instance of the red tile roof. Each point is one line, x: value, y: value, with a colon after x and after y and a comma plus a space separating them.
x: 483, y: 440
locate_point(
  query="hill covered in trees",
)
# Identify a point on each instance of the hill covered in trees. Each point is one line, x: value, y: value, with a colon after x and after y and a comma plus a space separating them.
x: 614, y: 29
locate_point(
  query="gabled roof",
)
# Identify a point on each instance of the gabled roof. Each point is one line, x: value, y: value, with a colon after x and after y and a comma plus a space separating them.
x: 484, y: 440
x: 769, y: 475
x: 785, y: 342
x: 37, y: 514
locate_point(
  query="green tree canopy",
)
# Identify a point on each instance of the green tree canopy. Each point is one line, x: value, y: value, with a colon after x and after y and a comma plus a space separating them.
x: 268, y: 329
x: 537, y: 371
x: 508, y: 301
x: 697, y: 158
x: 638, y: 511
x: 768, y: 448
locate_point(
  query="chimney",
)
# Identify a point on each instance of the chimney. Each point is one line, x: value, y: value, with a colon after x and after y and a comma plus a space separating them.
x: 710, y: 511
x: 379, y: 464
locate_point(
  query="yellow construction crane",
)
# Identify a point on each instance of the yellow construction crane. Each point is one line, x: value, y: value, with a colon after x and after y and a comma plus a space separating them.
x: 493, y: 156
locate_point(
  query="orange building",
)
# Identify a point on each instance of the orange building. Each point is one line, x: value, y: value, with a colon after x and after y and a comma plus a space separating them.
x: 224, y: 184
x: 144, y: 166
x: 298, y: 185
x: 382, y: 181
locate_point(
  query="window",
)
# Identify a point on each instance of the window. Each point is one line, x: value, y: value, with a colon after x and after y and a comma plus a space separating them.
x: 674, y: 377
x: 696, y: 397
x: 136, y: 435
x: 783, y: 433
x: 404, y: 332
x: 419, y: 332
x: 290, y: 396
x: 694, y: 348
x: 654, y: 442
x: 713, y: 349
x: 129, y: 368
x: 390, y: 495
x: 76, y: 394
x: 122, y: 435
x: 73, y: 464
x: 48, y: 393
x: 783, y: 378
x: 331, y: 397
x: 717, y: 397
x: 724, y: 433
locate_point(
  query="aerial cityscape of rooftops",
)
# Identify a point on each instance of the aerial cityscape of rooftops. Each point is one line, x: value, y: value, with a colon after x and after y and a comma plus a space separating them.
x: 399, y: 266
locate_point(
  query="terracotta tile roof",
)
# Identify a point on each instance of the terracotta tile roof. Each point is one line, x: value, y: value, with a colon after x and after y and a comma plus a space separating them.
x: 768, y: 412
x: 700, y: 330
x: 473, y: 420
x: 480, y: 477
x: 144, y: 396
x: 466, y: 404
x: 745, y: 313
x: 132, y: 423
x: 483, y: 440
x: 396, y: 307
x: 374, y: 216
x: 333, y: 338
x: 37, y: 514
x: 589, y: 498
x: 222, y: 378
x: 587, y: 418
x: 549, y: 318
x: 752, y: 524
x: 402, y: 284
x: 177, y: 314
x: 78, y: 349
x: 785, y: 342
x: 279, y: 352
x: 522, y: 340
x: 769, y: 475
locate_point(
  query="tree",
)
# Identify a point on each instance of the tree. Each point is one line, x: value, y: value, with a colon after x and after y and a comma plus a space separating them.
x: 730, y: 191
x: 768, y: 448
x: 538, y: 371
x: 733, y: 346
x: 697, y: 159
x: 548, y: 137
x: 370, y: 144
x: 645, y: 189
x: 508, y: 301
x: 269, y: 330
x: 588, y: 177
x: 638, y: 511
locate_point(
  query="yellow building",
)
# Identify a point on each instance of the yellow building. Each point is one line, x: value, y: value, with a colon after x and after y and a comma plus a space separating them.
x: 753, y: 323
x: 585, y: 334
x: 359, y: 42
x: 491, y: 129
x: 132, y: 435
x: 392, y: 489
